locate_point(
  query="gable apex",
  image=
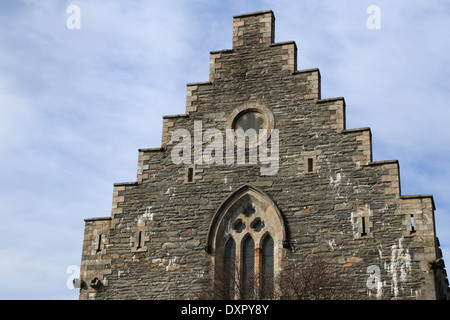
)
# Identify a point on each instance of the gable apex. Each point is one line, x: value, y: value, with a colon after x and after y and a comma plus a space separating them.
x: 253, y: 29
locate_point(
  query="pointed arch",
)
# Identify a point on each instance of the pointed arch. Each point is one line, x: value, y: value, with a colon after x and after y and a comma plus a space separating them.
x: 254, y: 223
x: 248, y: 268
x: 229, y: 268
x: 267, y: 267
x: 237, y: 202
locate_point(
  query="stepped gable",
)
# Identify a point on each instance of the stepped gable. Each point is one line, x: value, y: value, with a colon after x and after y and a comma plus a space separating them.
x: 312, y: 189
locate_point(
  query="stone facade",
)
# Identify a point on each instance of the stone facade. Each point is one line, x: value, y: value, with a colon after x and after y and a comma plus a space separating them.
x: 321, y: 194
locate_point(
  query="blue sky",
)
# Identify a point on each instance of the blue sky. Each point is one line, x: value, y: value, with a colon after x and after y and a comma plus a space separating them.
x: 76, y: 105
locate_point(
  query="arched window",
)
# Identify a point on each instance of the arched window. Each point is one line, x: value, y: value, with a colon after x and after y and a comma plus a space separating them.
x: 248, y: 268
x: 267, y: 276
x: 247, y: 237
x: 229, y: 269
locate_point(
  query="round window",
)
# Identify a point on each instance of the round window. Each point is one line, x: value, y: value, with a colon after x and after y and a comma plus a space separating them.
x: 251, y: 115
x: 250, y: 119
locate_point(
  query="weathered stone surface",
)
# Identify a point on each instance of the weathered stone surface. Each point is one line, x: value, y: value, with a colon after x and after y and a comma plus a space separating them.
x: 347, y: 207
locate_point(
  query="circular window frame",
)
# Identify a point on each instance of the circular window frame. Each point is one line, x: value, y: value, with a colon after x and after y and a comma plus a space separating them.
x: 245, y: 108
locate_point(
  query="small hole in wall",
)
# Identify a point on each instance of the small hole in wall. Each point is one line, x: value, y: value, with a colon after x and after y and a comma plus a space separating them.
x: 413, y: 230
x: 190, y: 174
x: 99, y: 246
x: 239, y: 226
x: 257, y: 225
x: 139, y: 240
x: 249, y: 211
x: 310, y: 164
x: 363, y: 233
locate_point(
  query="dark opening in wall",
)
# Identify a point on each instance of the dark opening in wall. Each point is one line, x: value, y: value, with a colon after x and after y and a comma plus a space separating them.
x: 310, y: 164
x: 363, y: 231
x: 99, y: 246
x: 139, y: 240
x: 190, y: 174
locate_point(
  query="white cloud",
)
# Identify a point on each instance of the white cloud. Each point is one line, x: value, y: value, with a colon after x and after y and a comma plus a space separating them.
x: 76, y: 106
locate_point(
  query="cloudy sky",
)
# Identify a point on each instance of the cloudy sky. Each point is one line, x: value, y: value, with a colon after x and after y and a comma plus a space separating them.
x: 77, y: 104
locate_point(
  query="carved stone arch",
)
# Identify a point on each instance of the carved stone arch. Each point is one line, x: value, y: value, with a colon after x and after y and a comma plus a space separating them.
x: 263, y: 236
x: 234, y: 207
x: 247, y: 212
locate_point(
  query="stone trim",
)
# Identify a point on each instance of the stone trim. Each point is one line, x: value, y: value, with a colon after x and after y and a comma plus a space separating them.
x: 97, y: 219
x: 176, y: 116
x: 230, y: 200
x: 165, y: 137
x: 197, y: 174
x: 220, y: 51
x: 303, y: 161
x: 383, y: 162
x: 424, y: 238
x: 308, y: 71
x: 362, y: 224
x: 326, y: 100
x: 256, y: 13
x: 237, y: 218
x: 118, y: 184
x: 420, y: 196
x: 256, y: 28
x: 337, y: 110
x: 151, y: 149
x: 284, y: 43
x: 249, y: 106
x: 365, y: 148
x: 201, y: 83
x: 95, y: 264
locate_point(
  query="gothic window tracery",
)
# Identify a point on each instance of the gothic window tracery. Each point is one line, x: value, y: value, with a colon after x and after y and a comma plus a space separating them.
x: 247, y: 238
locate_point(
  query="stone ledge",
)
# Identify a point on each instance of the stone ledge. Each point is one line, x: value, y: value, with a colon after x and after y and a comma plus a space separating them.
x: 257, y: 13
x: 380, y: 163
x: 98, y: 219
x: 283, y: 43
x: 222, y: 51
x: 308, y: 71
x: 330, y: 99
x: 151, y: 149
x: 356, y: 130
x: 176, y: 116
x: 118, y: 184
x: 203, y: 83
x: 420, y: 196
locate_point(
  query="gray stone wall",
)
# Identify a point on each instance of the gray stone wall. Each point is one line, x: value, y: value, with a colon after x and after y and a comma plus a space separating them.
x: 153, y: 245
